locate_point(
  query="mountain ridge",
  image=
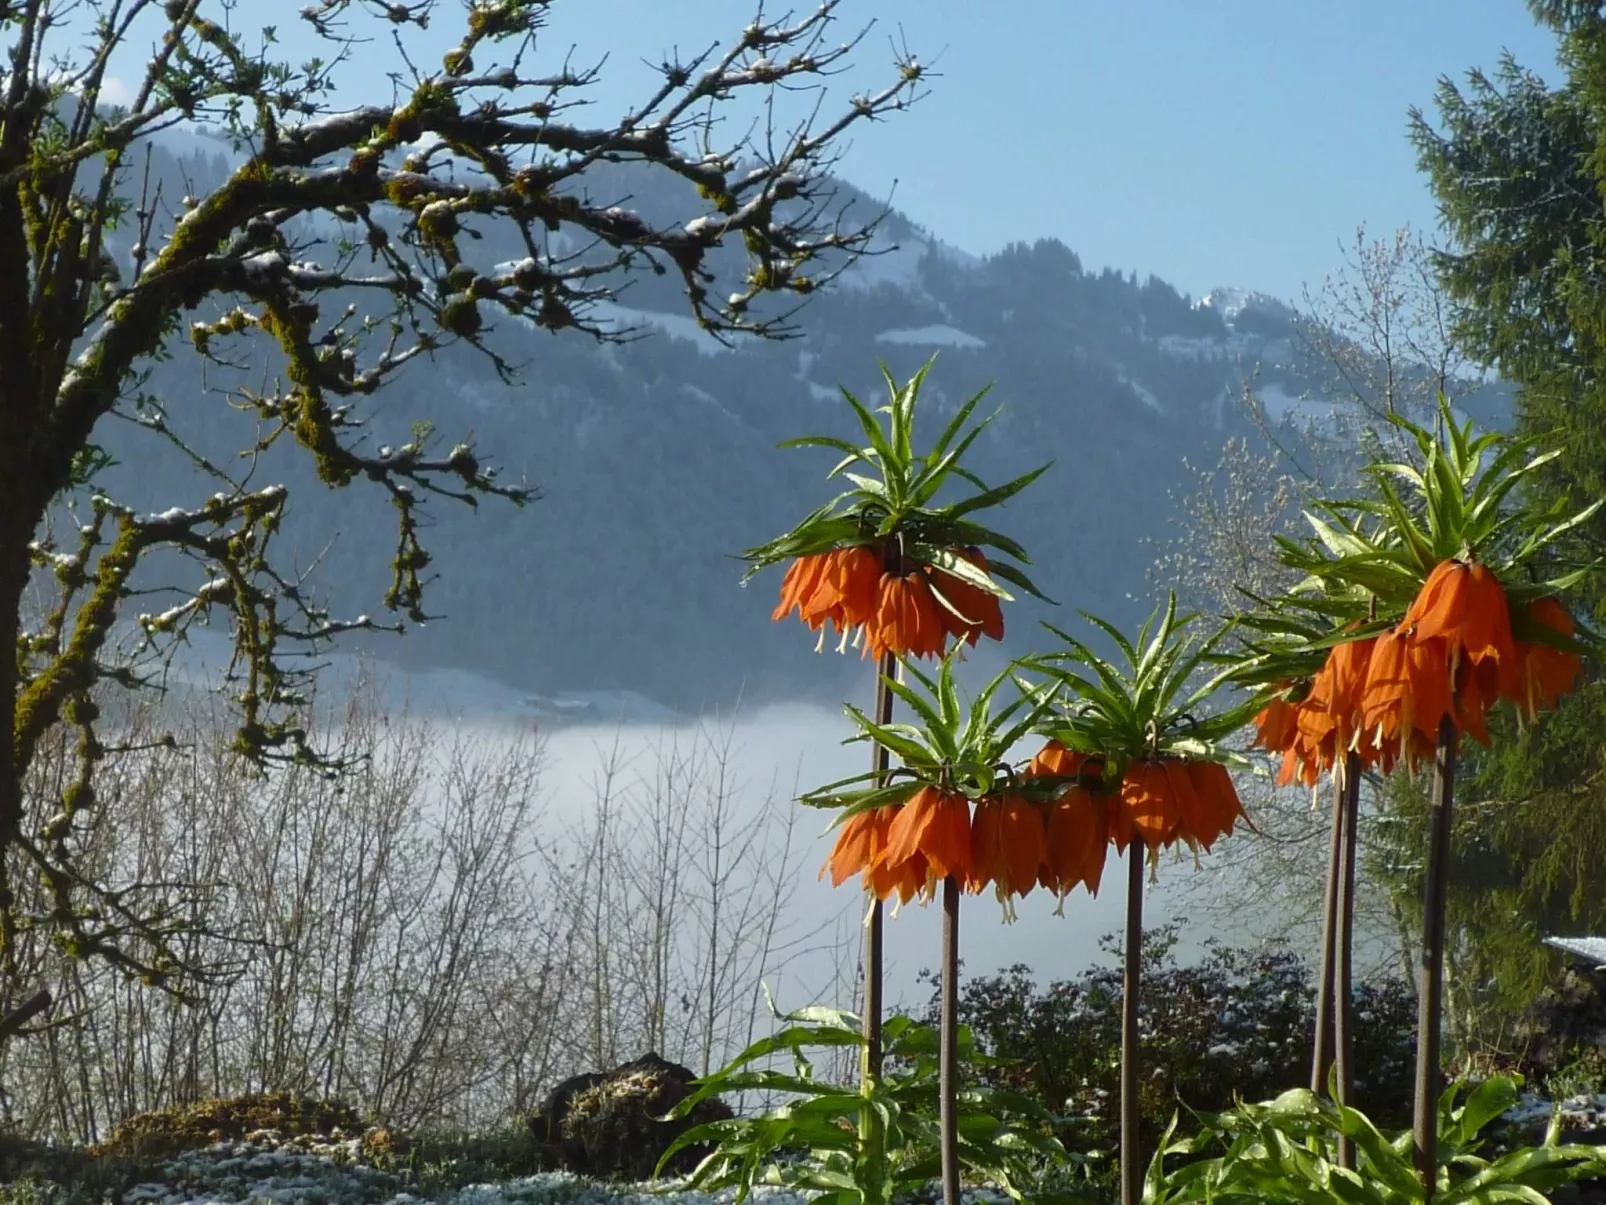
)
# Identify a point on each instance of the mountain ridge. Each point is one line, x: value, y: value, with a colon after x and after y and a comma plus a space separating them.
x: 657, y: 464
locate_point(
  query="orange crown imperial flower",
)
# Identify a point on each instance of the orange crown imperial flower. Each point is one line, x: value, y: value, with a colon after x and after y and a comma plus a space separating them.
x: 1315, y: 734
x: 887, y: 562
x: 905, y: 833
x: 1277, y: 723
x: 1434, y: 558
x: 967, y: 611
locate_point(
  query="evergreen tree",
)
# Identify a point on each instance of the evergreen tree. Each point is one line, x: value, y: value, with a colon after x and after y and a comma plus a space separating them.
x: 1518, y: 168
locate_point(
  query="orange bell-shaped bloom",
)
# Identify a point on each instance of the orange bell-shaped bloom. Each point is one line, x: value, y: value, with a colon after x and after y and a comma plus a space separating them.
x: 1007, y: 845
x: 1340, y: 687
x: 1545, y: 673
x: 839, y: 586
x: 1329, y: 721
x: 1146, y: 808
x: 1077, y: 842
x: 906, y: 620
x: 861, y: 849
x: 1276, y: 724
x: 936, y: 825
x: 979, y: 611
x: 905, y: 880
x: 799, y: 585
x: 1408, y: 690
x: 861, y: 843
x: 848, y: 589
x: 1219, y: 804
x: 1465, y: 606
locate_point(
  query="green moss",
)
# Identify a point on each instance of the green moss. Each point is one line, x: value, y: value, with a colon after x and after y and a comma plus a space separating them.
x: 721, y: 200
x: 461, y: 316
x: 188, y: 1127
x: 74, y: 671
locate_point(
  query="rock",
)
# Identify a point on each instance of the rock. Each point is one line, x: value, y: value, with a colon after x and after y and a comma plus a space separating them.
x: 609, y: 1124
x: 1565, y: 1026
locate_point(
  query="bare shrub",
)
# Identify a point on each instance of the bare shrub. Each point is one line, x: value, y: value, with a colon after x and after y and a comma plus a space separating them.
x: 418, y: 935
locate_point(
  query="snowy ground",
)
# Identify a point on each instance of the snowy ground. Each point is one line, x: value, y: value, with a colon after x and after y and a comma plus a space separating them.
x: 312, y: 1171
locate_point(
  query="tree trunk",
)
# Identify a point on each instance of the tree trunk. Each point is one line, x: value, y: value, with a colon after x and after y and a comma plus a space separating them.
x: 1430, y: 990
x: 1131, y: 1156
x: 948, y: 1045
x: 15, y: 533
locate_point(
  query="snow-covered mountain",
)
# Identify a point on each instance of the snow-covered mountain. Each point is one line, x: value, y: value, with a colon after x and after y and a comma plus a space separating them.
x: 657, y: 464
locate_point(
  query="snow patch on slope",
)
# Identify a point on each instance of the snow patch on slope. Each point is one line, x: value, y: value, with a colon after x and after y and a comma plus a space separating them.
x: 1143, y: 393
x: 617, y: 319
x: 1192, y: 347
x: 940, y: 334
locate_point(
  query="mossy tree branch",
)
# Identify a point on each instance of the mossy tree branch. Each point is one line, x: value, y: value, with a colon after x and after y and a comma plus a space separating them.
x: 347, y: 238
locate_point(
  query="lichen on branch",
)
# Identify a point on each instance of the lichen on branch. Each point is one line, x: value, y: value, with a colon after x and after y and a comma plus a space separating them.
x: 344, y: 244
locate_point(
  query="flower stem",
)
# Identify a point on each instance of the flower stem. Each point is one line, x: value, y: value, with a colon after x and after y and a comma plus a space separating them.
x: 948, y: 1045
x: 1344, y: 952
x: 881, y: 765
x: 872, y: 1169
x: 1322, y: 1048
x: 1430, y: 992
x: 1131, y: 1158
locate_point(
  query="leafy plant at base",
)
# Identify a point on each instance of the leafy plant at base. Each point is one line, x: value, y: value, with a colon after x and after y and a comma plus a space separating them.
x: 1285, y: 1150
x: 1233, y: 1025
x: 811, y: 1143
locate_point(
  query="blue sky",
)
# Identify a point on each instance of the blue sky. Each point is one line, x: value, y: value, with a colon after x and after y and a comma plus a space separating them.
x: 1207, y: 141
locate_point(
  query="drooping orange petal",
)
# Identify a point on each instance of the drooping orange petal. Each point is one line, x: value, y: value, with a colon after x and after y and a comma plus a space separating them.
x: 1098, y: 854
x: 803, y: 577
x: 987, y: 862
x: 1429, y: 669
x: 929, y: 636
x: 1464, y: 605
x: 1546, y: 673
x: 1486, y: 630
x: 1076, y: 841
x: 852, y: 853
x: 860, y: 569
x: 904, y: 880
x: 1214, y: 784
x: 1024, y: 844
x: 1386, y: 706
x: 1196, y: 820
x: 1477, y: 689
x: 1146, y: 798
x: 1437, y: 606
x: 1275, y: 725
x: 979, y: 611
x: 1054, y: 760
x: 946, y: 840
x: 909, y: 826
